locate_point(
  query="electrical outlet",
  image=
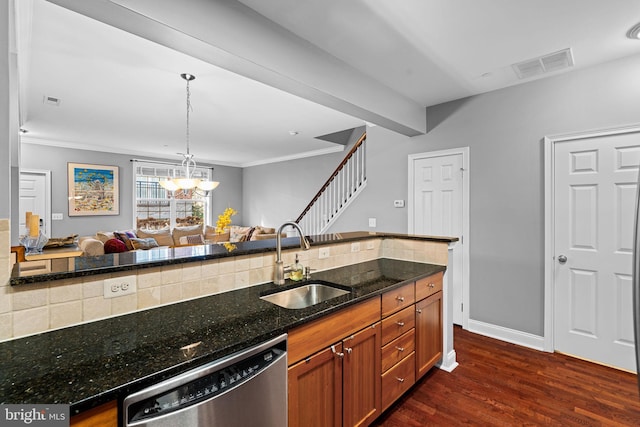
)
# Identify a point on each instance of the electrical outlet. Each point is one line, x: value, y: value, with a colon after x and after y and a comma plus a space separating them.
x: 371, y: 245
x: 398, y: 203
x: 323, y: 253
x: 119, y: 286
x: 56, y: 216
x: 355, y: 247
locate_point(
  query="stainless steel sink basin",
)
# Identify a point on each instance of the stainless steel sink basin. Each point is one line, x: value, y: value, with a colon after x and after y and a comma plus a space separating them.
x: 304, y: 296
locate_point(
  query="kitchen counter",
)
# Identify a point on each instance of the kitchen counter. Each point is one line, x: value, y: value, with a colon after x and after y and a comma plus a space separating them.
x: 94, y: 363
x: 135, y: 260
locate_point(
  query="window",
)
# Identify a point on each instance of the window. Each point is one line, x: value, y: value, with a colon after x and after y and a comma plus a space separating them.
x: 158, y: 208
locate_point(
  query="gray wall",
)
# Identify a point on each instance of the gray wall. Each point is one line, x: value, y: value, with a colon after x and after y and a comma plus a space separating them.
x: 504, y: 130
x: 278, y: 192
x: 55, y: 159
x: 5, y: 114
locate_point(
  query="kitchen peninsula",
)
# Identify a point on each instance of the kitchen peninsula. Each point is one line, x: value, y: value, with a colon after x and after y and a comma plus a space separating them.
x: 100, y: 360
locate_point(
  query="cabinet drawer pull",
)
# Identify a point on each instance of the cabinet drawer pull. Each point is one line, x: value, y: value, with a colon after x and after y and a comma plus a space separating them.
x: 338, y: 354
x: 419, y: 311
x: 348, y: 350
x: 400, y: 324
x: 431, y: 285
x: 400, y: 299
x: 399, y: 348
x: 400, y: 380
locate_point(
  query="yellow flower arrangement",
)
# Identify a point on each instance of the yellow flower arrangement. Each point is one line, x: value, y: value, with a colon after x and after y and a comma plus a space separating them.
x: 224, y: 220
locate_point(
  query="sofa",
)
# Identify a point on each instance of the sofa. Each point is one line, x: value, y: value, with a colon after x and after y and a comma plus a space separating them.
x: 142, y: 239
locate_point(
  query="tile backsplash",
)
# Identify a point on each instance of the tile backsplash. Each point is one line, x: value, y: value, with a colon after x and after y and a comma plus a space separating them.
x: 35, y: 308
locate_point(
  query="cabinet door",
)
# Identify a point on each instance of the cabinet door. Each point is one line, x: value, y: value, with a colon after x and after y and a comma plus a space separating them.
x: 105, y: 415
x: 428, y: 333
x: 315, y: 390
x: 361, y: 377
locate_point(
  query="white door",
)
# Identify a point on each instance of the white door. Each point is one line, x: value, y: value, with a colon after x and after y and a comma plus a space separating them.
x: 34, y: 198
x: 438, y: 210
x: 594, y: 194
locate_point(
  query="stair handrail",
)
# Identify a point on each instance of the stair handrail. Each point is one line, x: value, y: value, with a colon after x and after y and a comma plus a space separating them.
x: 355, y: 147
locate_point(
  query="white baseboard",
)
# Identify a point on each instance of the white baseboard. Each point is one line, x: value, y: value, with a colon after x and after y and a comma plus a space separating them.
x: 449, y: 362
x: 513, y: 336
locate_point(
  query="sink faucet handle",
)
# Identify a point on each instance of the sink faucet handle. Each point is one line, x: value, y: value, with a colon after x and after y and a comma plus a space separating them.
x: 307, y: 272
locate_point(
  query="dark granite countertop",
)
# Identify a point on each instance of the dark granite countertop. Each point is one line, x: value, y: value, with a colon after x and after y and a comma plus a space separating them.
x: 134, y: 260
x: 93, y: 363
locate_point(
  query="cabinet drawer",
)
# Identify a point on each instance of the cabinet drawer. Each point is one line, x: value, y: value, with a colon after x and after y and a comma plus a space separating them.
x: 428, y: 286
x: 398, y: 349
x: 397, y: 380
x: 397, y: 324
x: 398, y: 299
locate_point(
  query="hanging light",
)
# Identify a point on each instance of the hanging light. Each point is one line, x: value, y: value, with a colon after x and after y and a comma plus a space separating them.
x: 188, y: 164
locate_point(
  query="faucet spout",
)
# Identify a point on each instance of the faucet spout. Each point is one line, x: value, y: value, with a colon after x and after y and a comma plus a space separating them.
x: 278, y: 278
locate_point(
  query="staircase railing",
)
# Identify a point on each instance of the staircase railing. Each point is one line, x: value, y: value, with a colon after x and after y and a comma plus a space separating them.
x: 344, y: 184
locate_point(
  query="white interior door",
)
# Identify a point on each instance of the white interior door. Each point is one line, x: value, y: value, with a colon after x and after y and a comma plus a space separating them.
x: 438, y: 210
x: 594, y: 193
x: 35, y: 198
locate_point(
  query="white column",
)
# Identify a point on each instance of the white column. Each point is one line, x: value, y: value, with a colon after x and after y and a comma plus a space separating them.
x: 449, y: 362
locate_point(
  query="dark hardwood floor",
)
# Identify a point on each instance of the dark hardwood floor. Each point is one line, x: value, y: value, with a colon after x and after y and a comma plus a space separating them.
x: 502, y: 384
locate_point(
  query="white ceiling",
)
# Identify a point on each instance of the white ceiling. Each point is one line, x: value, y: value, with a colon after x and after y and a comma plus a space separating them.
x: 122, y: 93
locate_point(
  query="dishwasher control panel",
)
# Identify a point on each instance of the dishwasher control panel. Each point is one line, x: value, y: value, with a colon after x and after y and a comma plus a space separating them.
x: 208, y: 384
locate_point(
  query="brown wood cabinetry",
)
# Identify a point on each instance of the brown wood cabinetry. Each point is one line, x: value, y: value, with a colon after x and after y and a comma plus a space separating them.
x: 361, y: 377
x: 428, y: 333
x: 315, y: 390
x: 339, y: 384
x: 101, y: 416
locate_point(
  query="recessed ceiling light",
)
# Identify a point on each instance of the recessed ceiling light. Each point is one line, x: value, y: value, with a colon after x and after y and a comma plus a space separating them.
x: 293, y: 132
x: 634, y: 32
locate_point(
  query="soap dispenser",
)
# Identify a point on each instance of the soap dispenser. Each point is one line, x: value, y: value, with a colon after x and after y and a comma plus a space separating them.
x: 297, y: 270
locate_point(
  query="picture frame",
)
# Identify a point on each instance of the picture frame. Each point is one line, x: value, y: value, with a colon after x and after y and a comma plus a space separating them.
x: 93, y: 189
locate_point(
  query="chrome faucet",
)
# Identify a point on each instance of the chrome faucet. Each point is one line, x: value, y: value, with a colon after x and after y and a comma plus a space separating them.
x: 278, y: 276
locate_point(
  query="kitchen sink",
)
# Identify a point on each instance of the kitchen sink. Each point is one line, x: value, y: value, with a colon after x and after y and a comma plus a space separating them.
x: 304, y: 296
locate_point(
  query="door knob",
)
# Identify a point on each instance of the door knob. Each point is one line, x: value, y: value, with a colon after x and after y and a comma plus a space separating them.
x: 562, y: 259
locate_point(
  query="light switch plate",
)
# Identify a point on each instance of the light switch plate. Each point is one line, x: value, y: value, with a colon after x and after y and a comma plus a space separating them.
x: 56, y: 216
x: 398, y: 203
x: 372, y: 222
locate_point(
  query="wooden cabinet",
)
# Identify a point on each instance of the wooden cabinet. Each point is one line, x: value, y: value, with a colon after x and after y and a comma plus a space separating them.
x: 340, y: 383
x: 428, y: 333
x: 361, y: 377
x: 348, y: 367
x: 102, y: 416
x: 315, y: 390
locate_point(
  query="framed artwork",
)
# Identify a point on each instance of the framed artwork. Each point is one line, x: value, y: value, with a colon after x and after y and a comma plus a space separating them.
x: 93, y: 189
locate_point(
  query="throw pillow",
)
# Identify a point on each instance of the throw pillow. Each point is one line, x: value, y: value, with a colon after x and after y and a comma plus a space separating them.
x: 261, y: 230
x: 195, y: 239
x: 103, y: 236
x: 163, y: 236
x: 145, y: 244
x: 239, y: 234
x: 126, y: 237
x: 178, y: 232
x: 210, y: 235
x: 114, y: 246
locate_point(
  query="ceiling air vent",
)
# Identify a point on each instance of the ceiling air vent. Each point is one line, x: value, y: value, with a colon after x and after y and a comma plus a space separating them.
x: 50, y: 100
x: 544, y: 64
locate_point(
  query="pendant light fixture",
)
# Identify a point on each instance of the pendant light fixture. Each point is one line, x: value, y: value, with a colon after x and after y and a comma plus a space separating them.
x: 188, y: 182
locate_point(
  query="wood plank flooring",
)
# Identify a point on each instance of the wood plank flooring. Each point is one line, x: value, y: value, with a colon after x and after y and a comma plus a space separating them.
x: 502, y: 384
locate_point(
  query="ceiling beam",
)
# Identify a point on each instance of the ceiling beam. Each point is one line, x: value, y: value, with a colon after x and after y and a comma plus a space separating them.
x: 232, y: 36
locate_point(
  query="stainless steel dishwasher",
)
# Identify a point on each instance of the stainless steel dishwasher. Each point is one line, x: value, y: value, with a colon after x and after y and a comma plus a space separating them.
x: 248, y: 388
